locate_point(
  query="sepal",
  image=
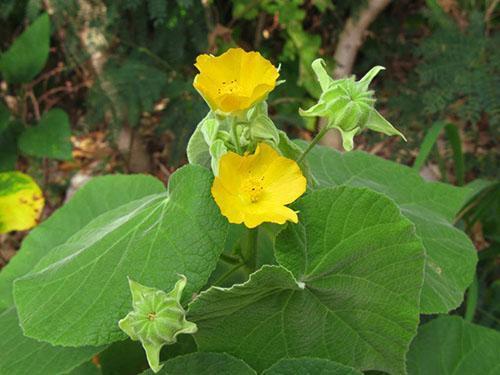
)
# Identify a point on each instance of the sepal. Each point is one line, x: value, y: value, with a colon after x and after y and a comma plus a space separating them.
x: 156, y: 319
x: 348, y: 105
x: 378, y: 123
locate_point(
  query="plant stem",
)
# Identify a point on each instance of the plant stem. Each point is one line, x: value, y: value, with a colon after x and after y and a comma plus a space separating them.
x: 230, y: 259
x: 235, y: 136
x: 250, y: 250
x: 313, y: 143
x: 472, y: 296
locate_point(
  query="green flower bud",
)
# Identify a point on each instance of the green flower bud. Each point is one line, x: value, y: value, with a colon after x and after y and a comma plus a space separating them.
x: 157, y: 318
x: 348, y: 105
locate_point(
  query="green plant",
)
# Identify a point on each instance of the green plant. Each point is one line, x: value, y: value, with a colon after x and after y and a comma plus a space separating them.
x: 341, y: 291
x: 19, y: 66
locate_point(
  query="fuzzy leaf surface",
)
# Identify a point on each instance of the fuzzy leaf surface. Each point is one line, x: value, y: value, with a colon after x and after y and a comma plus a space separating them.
x: 307, y: 366
x: 204, y: 364
x: 99, y: 195
x: 450, y: 345
x: 21, y: 355
x: 84, y: 280
x: 349, y: 293
x: 431, y: 206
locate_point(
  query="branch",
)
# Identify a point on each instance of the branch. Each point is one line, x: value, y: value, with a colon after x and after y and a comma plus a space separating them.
x: 352, y: 37
x: 350, y: 41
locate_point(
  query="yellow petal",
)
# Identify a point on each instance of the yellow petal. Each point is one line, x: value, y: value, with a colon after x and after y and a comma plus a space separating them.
x: 228, y: 203
x: 262, y: 159
x: 284, y: 181
x: 228, y: 164
x: 270, y: 214
x: 254, y: 189
x: 235, y: 80
x: 21, y: 202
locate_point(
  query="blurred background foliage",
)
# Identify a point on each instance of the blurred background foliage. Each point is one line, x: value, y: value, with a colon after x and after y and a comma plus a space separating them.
x: 122, y: 71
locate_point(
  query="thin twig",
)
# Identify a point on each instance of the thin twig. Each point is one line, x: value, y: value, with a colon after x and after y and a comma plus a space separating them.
x: 34, y: 102
x: 67, y: 89
x: 45, y: 76
x: 258, y: 30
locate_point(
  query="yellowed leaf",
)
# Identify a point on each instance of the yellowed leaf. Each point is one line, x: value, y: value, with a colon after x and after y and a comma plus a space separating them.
x: 21, y: 202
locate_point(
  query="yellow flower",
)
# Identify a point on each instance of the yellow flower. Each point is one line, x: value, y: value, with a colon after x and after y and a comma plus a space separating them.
x: 253, y: 189
x: 235, y: 80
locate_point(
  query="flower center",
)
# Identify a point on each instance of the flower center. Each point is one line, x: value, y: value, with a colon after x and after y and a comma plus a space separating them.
x: 254, y: 189
x: 151, y: 316
x: 228, y: 87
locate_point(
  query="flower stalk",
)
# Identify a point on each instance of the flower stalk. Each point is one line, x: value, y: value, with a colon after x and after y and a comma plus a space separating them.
x: 313, y: 143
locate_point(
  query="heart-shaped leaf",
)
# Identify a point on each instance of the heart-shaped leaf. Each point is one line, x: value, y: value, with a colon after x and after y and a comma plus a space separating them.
x: 27, y: 56
x: 353, y: 297
x: 78, y: 292
x: 431, y: 206
x: 50, y: 138
x: 97, y: 196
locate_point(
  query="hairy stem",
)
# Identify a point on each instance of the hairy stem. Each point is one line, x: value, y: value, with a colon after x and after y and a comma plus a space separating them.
x: 230, y: 259
x: 236, y: 139
x: 313, y: 143
x: 250, y: 250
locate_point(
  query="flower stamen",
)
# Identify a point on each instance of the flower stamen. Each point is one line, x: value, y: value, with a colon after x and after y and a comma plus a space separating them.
x: 254, y: 189
x: 229, y: 87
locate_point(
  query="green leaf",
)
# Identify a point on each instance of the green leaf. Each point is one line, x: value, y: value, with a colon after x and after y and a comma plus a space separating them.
x: 431, y: 206
x: 263, y: 129
x: 50, y: 138
x: 309, y: 366
x: 197, y: 149
x: 428, y: 144
x: 27, y: 56
x: 217, y: 150
x: 150, y: 240
x: 99, y: 195
x: 307, y: 46
x: 87, y: 368
x: 123, y: 358
x: 357, y: 271
x: 205, y: 364
x: 454, y: 139
x: 21, y: 355
x: 449, y: 345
